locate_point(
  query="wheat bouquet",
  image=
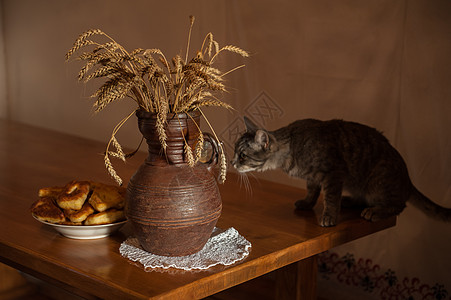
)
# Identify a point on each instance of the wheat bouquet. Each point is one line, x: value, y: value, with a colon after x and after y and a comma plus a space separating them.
x: 156, y: 84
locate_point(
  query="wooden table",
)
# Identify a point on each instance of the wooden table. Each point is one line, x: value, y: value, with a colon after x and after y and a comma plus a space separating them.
x: 282, y: 239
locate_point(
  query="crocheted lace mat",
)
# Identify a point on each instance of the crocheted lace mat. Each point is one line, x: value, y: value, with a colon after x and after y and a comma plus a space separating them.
x: 225, y: 247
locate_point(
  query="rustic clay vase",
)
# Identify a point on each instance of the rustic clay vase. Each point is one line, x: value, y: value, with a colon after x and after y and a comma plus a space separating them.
x: 172, y: 207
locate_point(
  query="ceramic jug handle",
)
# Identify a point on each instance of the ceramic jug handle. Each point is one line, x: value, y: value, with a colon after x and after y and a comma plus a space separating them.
x: 215, y: 149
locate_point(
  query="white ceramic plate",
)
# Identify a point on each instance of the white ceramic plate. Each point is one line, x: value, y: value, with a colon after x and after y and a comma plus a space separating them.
x: 86, y: 232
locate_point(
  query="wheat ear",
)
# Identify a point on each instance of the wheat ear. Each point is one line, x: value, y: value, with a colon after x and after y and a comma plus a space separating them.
x: 113, y: 140
x: 189, y: 155
x: 191, y: 23
x: 230, y: 48
x: 187, y: 149
x: 222, y: 166
x: 81, y: 41
x: 111, y: 170
x: 200, y: 141
x: 199, y: 146
x: 120, y: 153
x: 209, y: 38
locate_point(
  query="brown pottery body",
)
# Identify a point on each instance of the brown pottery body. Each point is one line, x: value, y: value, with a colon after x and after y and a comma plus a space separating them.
x: 172, y: 207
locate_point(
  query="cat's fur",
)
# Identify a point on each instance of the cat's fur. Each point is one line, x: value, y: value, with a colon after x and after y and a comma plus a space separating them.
x: 334, y: 156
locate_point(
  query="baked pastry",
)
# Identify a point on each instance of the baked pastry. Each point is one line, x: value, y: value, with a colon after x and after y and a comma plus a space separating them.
x: 80, y: 203
x: 53, y: 191
x: 106, y: 196
x: 78, y: 216
x: 46, y: 210
x: 74, y: 195
x: 109, y: 216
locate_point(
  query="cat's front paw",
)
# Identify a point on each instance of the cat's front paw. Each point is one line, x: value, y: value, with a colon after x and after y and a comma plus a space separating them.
x: 304, y: 204
x: 370, y: 214
x: 328, y: 220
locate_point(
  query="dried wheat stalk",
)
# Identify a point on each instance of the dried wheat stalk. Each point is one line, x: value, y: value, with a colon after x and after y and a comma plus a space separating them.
x: 111, y: 170
x: 155, y: 85
x: 199, y: 147
x: 222, y: 167
x: 189, y: 155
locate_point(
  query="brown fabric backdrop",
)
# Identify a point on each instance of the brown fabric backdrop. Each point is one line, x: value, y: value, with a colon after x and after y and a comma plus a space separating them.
x: 384, y: 63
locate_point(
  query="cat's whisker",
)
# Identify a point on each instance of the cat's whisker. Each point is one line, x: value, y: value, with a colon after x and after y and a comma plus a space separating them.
x: 247, y: 185
x: 244, y: 181
x: 243, y: 178
x: 256, y: 179
x: 240, y: 180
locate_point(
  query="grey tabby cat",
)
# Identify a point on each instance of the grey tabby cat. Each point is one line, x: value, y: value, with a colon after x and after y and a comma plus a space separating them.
x: 334, y: 156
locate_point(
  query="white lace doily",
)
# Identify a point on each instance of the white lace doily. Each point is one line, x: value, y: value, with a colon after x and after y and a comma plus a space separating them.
x: 223, y: 248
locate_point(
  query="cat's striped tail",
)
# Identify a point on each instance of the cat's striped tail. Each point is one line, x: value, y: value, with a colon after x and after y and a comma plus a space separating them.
x: 430, y: 208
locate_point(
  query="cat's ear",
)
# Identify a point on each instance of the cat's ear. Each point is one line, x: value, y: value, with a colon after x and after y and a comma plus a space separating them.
x: 262, y: 138
x: 250, y: 126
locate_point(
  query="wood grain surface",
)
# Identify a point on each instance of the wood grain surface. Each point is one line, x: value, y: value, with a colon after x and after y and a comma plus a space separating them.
x: 31, y: 158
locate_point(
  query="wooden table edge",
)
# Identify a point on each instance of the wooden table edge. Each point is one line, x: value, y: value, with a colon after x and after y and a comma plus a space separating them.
x: 204, y: 287
x: 280, y: 259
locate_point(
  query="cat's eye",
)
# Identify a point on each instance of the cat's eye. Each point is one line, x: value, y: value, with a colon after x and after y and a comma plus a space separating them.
x: 242, y: 155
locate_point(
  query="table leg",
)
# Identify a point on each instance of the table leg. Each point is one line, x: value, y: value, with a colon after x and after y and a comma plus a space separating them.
x: 298, y: 280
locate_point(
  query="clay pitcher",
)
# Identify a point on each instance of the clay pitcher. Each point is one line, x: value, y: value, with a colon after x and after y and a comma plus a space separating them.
x: 172, y: 207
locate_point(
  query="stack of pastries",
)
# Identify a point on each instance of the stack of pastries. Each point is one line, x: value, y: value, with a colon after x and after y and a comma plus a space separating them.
x: 80, y: 203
